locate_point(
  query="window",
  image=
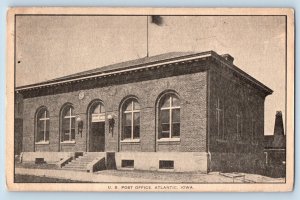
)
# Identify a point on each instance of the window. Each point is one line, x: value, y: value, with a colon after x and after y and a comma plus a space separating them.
x: 239, y: 124
x: 39, y: 161
x: 127, y: 163
x: 42, y: 126
x: 253, y: 130
x: 169, y: 117
x: 98, y: 113
x: 220, y: 119
x: 68, y: 124
x: 166, y: 164
x: 131, y: 120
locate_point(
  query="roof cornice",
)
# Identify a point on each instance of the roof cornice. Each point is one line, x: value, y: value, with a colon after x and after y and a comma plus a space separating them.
x: 136, y: 68
x: 140, y: 67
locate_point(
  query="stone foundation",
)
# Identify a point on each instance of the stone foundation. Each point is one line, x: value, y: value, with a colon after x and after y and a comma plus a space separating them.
x: 153, y: 161
x: 182, y: 161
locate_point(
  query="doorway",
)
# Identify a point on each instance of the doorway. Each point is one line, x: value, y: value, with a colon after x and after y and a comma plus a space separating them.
x: 97, y: 128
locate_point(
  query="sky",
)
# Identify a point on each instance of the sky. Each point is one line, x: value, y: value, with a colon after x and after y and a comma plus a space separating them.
x: 49, y: 47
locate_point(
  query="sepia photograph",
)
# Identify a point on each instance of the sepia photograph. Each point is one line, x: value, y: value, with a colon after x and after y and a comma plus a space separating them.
x: 132, y: 99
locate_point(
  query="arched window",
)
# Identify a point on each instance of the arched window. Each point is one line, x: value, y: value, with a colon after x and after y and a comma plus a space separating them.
x: 169, y: 117
x: 42, y: 126
x: 98, y: 112
x: 131, y: 120
x: 68, y: 124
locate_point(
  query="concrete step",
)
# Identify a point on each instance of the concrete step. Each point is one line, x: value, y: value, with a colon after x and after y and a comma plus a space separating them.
x: 81, y: 162
x: 75, y: 169
x: 84, y: 160
x: 77, y: 165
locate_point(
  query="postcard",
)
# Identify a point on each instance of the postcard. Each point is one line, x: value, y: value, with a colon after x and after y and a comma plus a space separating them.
x: 150, y: 99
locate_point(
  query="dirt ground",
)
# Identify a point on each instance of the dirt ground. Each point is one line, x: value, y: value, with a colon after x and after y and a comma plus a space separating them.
x: 41, y: 173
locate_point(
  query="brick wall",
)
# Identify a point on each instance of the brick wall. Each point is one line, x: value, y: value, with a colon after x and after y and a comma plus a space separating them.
x: 235, y: 94
x: 188, y: 81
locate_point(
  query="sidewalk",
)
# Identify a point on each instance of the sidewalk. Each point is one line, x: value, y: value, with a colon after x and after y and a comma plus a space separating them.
x: 119, y: 176
x: 78, y: 175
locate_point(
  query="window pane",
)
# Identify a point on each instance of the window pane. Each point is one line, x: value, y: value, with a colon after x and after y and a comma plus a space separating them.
x: 73, y: 134
x: 166, y: 102
x: 165, y: 134
x: 127, y: 132
x: 65, y: 124
x: 165, y: 116
x: 136, y: 119
x: 221, y: 126
x: 73, y: 123
x: 40, y: 130
x: 165, y: 127
x: 127, y: 119
x: 176, y: 130
x: 129, y: 106
x: 40, y: 125
x: 253, y: 129
x: 66, y: 136
x: 41, y: 114
x: 47, y: 129
x: 176, y: 115
x: 66, y: 112
x: 40, y: 136
x: 136, y: 132
x: 47, y: 136
x: 175, y: 101
x: 47, y: 114
x: 96, y: 109
x: 136, y: 105
x: 102, y: 109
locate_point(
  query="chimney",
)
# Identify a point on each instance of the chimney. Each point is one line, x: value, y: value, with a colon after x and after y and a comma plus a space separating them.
x: 279, y: 140
x: 228, y: 57
x: 278, y: 128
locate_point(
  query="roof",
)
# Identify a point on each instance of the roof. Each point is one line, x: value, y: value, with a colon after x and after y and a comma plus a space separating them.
x: 124, y: 65
x: 140, y: 64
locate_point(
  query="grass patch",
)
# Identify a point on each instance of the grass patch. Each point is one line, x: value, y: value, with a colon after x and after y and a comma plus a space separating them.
x: 38, y: 179
x: 36, y: 166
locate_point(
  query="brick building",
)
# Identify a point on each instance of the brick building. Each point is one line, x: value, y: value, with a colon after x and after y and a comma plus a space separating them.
x: 275, y: 149
x: 175, y: 111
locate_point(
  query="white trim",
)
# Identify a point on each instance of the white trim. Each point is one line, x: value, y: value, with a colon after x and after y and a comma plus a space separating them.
x: 170, y: 110
x: 168, y: 140
x: 70, y: 117
x: 130, y: 141
x: 44, y: 121
x: 68, y: 142
x: 273, y: 149
x: 42, y: 142
x: 204, y: 55
x: 222, y: 140
x: 131, y: 112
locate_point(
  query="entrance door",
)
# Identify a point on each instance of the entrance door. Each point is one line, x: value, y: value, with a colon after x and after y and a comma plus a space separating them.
x: 97, y: 128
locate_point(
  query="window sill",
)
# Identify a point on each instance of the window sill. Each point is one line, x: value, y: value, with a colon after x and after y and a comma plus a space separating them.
x: 131, y: 141
x: 241, y: 142
x: 42, y: 143
x: 68, y: 142
x: 222, y: 140
x: 168, y: 140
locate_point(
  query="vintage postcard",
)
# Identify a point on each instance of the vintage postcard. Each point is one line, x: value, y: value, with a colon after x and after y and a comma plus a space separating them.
x: 150, y: 99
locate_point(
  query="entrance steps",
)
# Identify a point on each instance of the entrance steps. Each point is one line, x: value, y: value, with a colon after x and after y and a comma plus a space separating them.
x: 85, y: 162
